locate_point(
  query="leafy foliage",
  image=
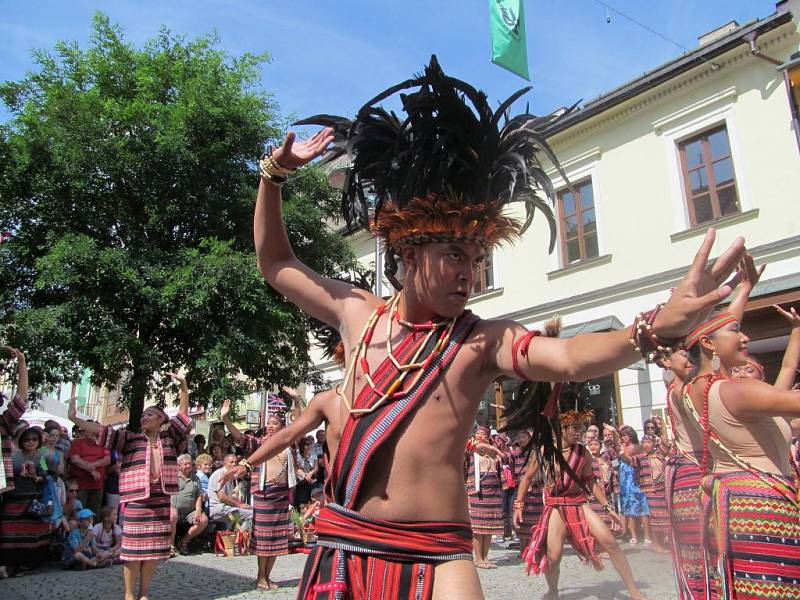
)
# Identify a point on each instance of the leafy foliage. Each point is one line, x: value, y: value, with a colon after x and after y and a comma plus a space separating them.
x: 127, y: 181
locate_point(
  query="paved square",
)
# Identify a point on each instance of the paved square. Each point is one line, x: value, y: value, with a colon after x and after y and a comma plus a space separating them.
x: 207, y: 577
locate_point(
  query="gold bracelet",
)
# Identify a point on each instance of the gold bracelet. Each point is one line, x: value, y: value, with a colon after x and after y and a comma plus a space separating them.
x: 519, y: 504
x: 246, y: 465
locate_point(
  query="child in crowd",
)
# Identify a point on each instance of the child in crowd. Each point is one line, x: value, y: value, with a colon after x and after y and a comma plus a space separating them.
x: 108, y: 534
x: 81, y: 551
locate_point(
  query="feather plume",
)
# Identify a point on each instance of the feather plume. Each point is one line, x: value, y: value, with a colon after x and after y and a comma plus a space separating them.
x: 449, y: 154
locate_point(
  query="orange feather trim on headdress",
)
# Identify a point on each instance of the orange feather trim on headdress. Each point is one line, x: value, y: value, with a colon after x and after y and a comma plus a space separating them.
x: 435, y: 218
x: 573, y: 417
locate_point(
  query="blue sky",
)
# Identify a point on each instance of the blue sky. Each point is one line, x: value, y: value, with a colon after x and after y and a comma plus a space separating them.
x: 332, y: 56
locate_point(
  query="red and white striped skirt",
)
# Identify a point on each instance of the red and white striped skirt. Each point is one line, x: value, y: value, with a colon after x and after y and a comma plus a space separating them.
x: 270, y: 535
x: 145, y: 529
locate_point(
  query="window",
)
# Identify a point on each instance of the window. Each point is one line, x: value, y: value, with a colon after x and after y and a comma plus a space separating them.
x: 708, y: 176
x: 578, y: 223
x: 484, y: 275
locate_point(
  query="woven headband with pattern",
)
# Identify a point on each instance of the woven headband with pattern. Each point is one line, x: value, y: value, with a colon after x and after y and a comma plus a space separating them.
x: 717, y: 322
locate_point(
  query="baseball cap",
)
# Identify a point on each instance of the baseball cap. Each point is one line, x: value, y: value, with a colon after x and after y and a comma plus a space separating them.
x: 85, y: 513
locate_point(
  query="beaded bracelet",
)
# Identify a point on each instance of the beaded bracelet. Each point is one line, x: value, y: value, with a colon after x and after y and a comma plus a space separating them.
x: 519, y: 504
x: 645, y: 340
x: 272, y: 171
x: 246, y: 465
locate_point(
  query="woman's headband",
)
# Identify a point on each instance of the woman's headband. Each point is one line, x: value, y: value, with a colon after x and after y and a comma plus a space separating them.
x: 717, y: 322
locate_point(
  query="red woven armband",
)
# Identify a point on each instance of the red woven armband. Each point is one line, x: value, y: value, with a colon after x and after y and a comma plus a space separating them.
x: 521, y: 347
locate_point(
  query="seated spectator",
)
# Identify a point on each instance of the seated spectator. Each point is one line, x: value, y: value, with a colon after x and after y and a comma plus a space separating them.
x: 205, y: 467
x: 187, y: 504
x: 69, y: 519
x: 222, y: 500
x: 108, y: 534
x: 81, y: 551
x: 88, y: 462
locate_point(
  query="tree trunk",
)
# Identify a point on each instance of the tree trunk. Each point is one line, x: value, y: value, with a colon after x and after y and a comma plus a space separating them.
x: 138, y: 391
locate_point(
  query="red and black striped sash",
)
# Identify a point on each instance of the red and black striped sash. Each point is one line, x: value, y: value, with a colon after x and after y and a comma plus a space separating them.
x: 365, y: 433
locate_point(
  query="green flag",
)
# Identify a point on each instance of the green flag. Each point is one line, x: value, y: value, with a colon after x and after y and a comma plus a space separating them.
x: 509, y: 48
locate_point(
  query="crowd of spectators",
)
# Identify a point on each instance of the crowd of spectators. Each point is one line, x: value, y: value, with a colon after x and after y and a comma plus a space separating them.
x: 65, y: 501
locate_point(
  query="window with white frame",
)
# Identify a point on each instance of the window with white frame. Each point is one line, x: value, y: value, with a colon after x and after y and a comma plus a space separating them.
x: 578, y: 223
x: 708, y: 176
x: 484, y: 275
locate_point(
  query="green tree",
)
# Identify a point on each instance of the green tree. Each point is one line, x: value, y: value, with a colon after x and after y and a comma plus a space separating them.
x: 127, y: 181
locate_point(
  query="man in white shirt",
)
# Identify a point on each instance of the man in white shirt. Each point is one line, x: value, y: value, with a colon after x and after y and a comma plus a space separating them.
x: 222, y: 500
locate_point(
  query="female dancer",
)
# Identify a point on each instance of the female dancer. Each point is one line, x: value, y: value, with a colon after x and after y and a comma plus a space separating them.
x: 752, y: 508
x: 533, y: 501
x: 147, y: 479
x: 651, y: 480
x: 682, y: 474
x: 753, y: 369
x: 567, y: 514
x: 270, y: 500
x: 602, y: 473
x: 484, y: 491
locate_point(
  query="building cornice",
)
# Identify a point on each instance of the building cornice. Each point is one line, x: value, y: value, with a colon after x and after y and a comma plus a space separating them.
x: 673, y: 78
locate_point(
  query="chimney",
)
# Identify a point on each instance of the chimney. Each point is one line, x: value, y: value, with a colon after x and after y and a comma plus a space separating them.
x: 719, y: 32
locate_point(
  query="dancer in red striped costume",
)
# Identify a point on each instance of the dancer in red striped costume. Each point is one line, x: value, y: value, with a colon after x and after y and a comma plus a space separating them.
x: 147, y: 479
x: 270, y: 496
x: 752, y: 548
x: 568, y: 516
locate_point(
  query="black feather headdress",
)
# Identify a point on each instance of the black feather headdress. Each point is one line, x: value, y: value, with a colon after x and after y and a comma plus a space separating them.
x: 447, y: 170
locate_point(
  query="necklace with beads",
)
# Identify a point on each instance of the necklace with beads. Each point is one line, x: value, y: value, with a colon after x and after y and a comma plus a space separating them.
x: 395, y: 390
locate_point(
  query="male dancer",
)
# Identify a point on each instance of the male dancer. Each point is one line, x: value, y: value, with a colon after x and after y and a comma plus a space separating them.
x: 396, y: 512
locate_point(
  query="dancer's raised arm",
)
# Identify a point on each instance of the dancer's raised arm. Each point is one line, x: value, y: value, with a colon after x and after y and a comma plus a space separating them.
x: 791, y: 358
x: 22, y: 372
x: 183, y: 392
x: 311, y: 418
x: 323, y: 298
x: 593, y: 354
x: 749, y: 275
x: 72, y: 414
x: 224, y: 414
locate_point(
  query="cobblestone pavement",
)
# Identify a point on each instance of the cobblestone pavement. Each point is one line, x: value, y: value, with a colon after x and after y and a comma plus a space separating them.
x: 206, y: 577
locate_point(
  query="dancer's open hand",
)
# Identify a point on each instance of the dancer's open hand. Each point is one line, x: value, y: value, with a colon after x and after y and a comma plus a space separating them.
x: 17, y: 353
x: 293, y: 154
x: 225, y: 410
x: 236, y: 472
x: 790, y: 315
x: 177, y: 377
x: 700, y: 290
